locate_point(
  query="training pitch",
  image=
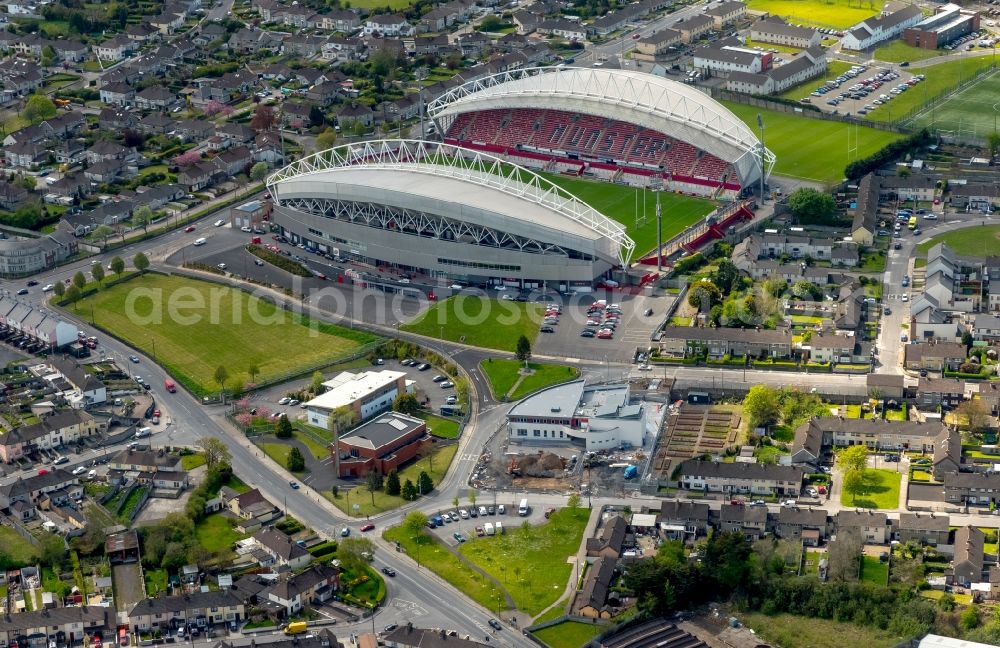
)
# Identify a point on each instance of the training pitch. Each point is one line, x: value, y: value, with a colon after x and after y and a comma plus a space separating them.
x: 973, y: 112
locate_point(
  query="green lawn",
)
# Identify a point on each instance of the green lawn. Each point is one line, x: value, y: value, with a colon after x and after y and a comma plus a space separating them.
x: 897, y: 51
x: 278, y: 452
x: 193, y: 327
x: 838, y: 14
x: 192, y: 461
x: 435, y: 465
x: 881, y: 490
x: 215, y: 533
x: 156, y: 581
x: 503, y: 374
x: 940, y: 78
x: 443, y: 428
x: 569, y: 634
x: 153, y: 168
x: 316, y: 449
x: 622, y: 204
x: 478, y: 321
x: 431, y: 554
x: 531, y: 561
x: 557, y: 611
x: 833, y: 70
x: 874, y: 571
x: 790, y: 631
x: 971, y: 241
x: 811, y: 149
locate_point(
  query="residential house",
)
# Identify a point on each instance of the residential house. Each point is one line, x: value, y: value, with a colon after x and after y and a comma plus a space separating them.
x: 104, y: 150
x: 820, y: 433
x: 318, y: 583
x: 774, y: 29
x: 928, y: 528
x: 117, y: 94
x: 31, y: 489
x: 887, y: 386
x: 934, y: 356
x: 25, y: 154
x: 167, y: 22
x: 967, y: 565
x: 165, y: 613
x: 869, y: 33
x: 972, y: 489
x: 806, y: 524
x: 593, y: 599
x: 873, y: 526
x: 610, y: 541
x: 839, y: 349
x: 115, y: 48
x: 947, y: 393
x: 197, y: 176
x: 751, y: 521
x: 916, y: 186
x: 341, y: 20
x: 282, y: 549
x: 11, y: 195
x: 53, y: 430
x: 117, y: 119
x: 355, y: 114
x: 142, y: 33
x: 251, y: 508
x: 658, y: 44
x: 681, y: 520
x: 974, y: 196
x: 571, y: 31
x: 947, y: 453
x: 156, y: 98
x: 686, y: 341
x: 234, y: 161
x: 741, y: 478
x: 986, y: 327
x: 865, y: 223
x: 694, y: 28
x: 394, y: 25
x: 74, y: 623
x: 726, y: 13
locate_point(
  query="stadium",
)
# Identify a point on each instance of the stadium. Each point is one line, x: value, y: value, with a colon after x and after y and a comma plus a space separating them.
x: 618, y: 125
x: 445, y: 212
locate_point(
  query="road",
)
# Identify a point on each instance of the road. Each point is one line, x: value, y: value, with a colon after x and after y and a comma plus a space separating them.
x: 622, y: 45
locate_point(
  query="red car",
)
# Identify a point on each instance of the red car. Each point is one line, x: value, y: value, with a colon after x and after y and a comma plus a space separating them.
x: 189, y: 228
x: 368, y: 527
x: 605, y: 335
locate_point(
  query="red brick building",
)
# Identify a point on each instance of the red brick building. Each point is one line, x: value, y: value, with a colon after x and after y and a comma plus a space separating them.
x: 383, y: 444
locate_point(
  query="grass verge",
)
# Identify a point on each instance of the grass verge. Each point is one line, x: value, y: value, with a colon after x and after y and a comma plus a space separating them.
x: 790, y: 631
x: 569, y: 634
x: 479, y: 321
x: 503, y: 375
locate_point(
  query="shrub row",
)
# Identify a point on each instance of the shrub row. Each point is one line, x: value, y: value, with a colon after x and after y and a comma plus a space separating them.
x: 279, y: 261
x: 888, y: 153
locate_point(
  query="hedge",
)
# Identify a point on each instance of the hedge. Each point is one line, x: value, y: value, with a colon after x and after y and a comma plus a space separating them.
x: 983, y: 375
x: 279, y: 261
x: 888, y: 153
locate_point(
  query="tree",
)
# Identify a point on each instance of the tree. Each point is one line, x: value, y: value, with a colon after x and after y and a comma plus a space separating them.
x: 253, y: 371
x: 117, y: 266
x: 472, y: 496
x: 374, y: 481
x: 414, y: 522
x: 761, y: 406
x: 141, y: 217
x: 103, y: 232
x: 522, y: 351
x: 28, y: 182
x: 455, y: 501
x: 903, y: 172
x: 97, y: 272
x: 424, y: 483
x: 326, y: 139
x: 79, y: 280
x: 354, y: 553
x: 59, y: 289
x: 263, y: 118
x: 993, y: 142
x: 573, y: 502
x: 295, y: 461
x: 803, y: 289
x: 974, y: 415
x: 726, y: 276
x: 283, y: 428
x: 854, y: 482
x: 316, y: 117
x: 335, y: 491
x: 703, y: 295
x: 853, y: 458
x: 392, y: 486
x: 221, y: 376
x: 215, y: 452
x: 140, y: 261
x: 409, y: 491
x: 317, y: 382
x: 259, y: 171
x: 48, y: 55
x: 811, y: 203
x: 969, y: 617
x: 52, y: 551
x: 844, y: 556
x: 406, y: 404
x: 38, y: 108
x: 967, y: 340
x: 72, y: 294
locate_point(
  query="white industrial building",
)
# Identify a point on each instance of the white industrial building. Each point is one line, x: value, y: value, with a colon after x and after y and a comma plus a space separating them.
x: 366, y: 394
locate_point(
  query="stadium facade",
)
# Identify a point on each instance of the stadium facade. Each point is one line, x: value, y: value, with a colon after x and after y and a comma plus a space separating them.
x: 446, y: 212
x: 620, y: 125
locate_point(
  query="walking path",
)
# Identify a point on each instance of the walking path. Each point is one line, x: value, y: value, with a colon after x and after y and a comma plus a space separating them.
x: 579, y: 559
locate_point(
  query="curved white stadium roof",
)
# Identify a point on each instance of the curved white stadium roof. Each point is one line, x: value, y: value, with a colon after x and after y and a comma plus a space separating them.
x: 450, y: 174
x: 663, y: 105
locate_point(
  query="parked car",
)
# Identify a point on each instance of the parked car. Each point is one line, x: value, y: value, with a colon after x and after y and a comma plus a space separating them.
x: 458, y: 536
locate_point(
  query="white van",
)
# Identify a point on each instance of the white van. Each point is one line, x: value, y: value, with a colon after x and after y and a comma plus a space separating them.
x: 200, y: 241
x: 522, y: 510
x: 488, y: 528
x: 143, y: 432
x: 498, y: 528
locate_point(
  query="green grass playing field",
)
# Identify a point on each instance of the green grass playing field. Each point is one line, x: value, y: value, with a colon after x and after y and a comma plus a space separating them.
x: 478, y: 321
x: 838, y: 14
x: 969, y: 241
x: 973, y: 112
x: 811, y: 149
x: 940, y: 78
x: 622, y: 204
x: 897, y: 51
x: 201, y: 326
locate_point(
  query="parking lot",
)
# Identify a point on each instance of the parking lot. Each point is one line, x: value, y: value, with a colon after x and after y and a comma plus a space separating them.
x: 862, y: 89
x: 467, y: 525
x: 633, y: 329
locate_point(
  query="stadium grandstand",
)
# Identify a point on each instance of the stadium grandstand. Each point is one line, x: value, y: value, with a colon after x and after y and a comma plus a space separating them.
x: 619, y: 125
x: 447, y: 213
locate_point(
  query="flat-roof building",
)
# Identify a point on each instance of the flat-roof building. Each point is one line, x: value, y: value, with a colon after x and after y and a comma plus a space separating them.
x: 380, y: 445
x: 366, y: 393
x: 949, y: 22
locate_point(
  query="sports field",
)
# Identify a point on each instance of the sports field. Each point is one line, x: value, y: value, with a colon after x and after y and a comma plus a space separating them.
x: 969, y: 241
x: 838, y: 14
x: 940, y: 79
x: 623, y: 204
x: 973, y: 112
x: 192, y: 327
x: 811, y: 149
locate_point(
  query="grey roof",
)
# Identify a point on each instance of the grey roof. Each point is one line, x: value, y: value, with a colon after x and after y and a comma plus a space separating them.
x: 560, y: 401
x: 754, y: 471
x: 746, y: 335
x: 597, y: 584
x: 50, y: 422
x: 661, y: 36
x: 805, y: 517
x: 695, y: 23
x: 171, y: 604
x: 743, y: 514
x: 675, y: 510
x: 280, y: 544
x: 28, y: 485
x: 88, y: 616
x: 612, y: 535
x: 835, y: 424
x: 780, y: 28
x: 941, y: 386
x: 323, y: 638
x: 726, y: 55
x: 407, y: 635
x: 917, y: 522
x: 849, y: 519
x: 983, y: 481
x: 382, y: 430
x: 866, y: 211
x: 288, y: 589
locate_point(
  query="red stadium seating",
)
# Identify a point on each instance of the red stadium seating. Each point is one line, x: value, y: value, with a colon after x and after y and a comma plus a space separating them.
x: 599, y: 142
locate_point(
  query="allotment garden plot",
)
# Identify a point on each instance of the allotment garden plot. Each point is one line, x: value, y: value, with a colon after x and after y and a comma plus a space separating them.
x: 694, y: 431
